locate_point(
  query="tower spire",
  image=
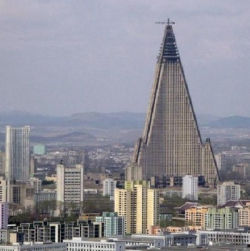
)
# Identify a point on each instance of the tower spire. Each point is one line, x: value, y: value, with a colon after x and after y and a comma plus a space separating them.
x: 168, y: 49
x: 168, y: 22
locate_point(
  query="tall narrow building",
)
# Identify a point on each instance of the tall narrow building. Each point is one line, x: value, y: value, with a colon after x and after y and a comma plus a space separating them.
x: 17, y: 156
x: 171, y: 144
x: 69, y: 187
x: 139, y: 205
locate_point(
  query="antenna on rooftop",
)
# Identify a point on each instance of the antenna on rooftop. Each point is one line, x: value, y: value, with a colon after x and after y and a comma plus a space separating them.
x: 168, y: 22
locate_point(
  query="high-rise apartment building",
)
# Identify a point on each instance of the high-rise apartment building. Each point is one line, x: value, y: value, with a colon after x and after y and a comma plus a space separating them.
x: 109, y: 186
x: 70, y: 188
x: 244, y: 215
x: 114, y: 225
x: 171, y: 144
x: 195, y: 216
x: 139, y: 204
x: 190, y: 187
x: 4, y: 214
x: 227, y: 191
x: 17, y: 153
x: 221, y: 218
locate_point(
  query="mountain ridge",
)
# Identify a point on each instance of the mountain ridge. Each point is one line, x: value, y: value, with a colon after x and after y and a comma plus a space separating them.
x: 121, y: 120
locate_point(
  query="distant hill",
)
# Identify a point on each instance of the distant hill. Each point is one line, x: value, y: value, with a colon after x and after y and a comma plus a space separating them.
x: 64, y: 138
x: 93, y: 128
x: 121, y: 120
x: 106, y: 121
x: 231, y: 122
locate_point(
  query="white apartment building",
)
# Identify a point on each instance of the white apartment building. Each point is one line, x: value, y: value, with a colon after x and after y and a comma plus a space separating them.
x: 227, y: 191
x: 70, y: 186
x: 109, y: 186
x: 102, y: 245
x: 190, y: 187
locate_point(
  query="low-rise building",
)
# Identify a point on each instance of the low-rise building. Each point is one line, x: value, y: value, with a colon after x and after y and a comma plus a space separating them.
x: 222, y: 237
x: 86, y: 245
x: 183, y: 238
x: 43, y: 231
x: 35, y: 247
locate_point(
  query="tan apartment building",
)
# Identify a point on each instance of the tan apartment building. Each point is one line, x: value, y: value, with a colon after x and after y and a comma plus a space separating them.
x: 195, y: 216
x: 244, y: 215
x: 139, y: 204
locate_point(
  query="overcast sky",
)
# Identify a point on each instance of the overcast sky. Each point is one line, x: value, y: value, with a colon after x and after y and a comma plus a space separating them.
x: 61, y: 57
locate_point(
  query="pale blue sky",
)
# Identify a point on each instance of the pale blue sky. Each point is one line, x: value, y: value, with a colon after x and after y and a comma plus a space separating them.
x: 62, y: 57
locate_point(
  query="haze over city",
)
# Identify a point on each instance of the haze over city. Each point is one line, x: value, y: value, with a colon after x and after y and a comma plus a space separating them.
x: 124, y: 125
x: 64, y: 57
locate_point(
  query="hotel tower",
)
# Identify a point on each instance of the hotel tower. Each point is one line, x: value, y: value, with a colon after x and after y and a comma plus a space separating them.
x: 171, y: 144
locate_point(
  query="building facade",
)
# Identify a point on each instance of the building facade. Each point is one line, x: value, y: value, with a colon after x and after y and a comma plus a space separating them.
x: 222, y: 237
x: 190, y: 187
x: 114, y: 225
x: 2, y: 163
x: 139, y: 204
x: 3, y: 189
x: 244, y: 215
x: 227, y: 191
x: 109, y: 186
x: 44, y: 231
x: 17, y: 153
x: 21, y: 193
x: 221, y: 218
x: 102, y: 245
x: 35, y: 247
x: 4, y: 214
x: 195, y: 216
x: 70, y: 184
x: 171, y: 144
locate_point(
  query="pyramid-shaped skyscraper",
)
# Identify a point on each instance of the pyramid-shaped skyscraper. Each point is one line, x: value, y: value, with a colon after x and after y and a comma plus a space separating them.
x: 171, y: 144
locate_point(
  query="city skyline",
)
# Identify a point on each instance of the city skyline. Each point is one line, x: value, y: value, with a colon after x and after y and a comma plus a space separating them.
x: 50, y: 66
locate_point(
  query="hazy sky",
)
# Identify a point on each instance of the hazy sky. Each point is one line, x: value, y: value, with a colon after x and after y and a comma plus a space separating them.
x: 68, y: 56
